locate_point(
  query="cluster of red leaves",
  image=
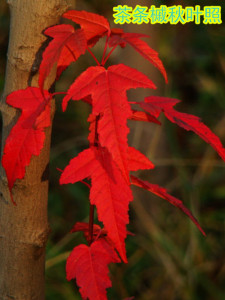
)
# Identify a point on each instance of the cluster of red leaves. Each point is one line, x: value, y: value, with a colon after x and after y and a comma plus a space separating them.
x: 109, y: 159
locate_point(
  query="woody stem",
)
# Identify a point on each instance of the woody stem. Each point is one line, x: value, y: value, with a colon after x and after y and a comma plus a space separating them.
x: 92, y: 54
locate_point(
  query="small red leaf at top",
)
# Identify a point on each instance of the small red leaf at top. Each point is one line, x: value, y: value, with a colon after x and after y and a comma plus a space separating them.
x: 89, y: 266
x: 155, y: 105
x: 67, y: 45
x: 118, y: 37
x: 162, y: 192
x: 27, y: 136
x: 94, y: 25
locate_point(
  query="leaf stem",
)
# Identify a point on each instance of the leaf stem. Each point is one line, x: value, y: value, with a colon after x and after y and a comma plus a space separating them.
x: 104, y: 52
x: 92, y: 54
x: 133, y: 102
x: 87, y: 184
x: 107, y: 57
x: 59, y: 93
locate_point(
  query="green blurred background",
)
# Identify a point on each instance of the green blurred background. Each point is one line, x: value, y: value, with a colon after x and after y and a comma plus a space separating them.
x: 168, y: 257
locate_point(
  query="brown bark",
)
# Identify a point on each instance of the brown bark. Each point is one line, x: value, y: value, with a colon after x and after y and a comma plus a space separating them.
x: 24, y: 228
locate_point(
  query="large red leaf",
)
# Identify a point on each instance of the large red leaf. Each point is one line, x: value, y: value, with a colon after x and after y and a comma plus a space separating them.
x: 67, y: 45
x: 108, y: 92
x: 109, y: 191
x: 94, y: 26
x: 89, y: 266
x: 27, y: 136
x: 155, y: 105
x: 119, y: 37
x: 162, y: 192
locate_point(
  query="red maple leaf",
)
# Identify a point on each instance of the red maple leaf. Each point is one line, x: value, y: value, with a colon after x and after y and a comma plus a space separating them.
x: 155, y: 105
x: 119, y: 37
x: 89, y: 266
x: 94, y: 26
x: 162, y: 192
x: 67, y: 45
x: 109, y: 191
x: 27, y: 136
x: 108, y: 92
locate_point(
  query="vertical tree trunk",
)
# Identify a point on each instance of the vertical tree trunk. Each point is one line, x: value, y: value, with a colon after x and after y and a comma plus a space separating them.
x: 24, y: 228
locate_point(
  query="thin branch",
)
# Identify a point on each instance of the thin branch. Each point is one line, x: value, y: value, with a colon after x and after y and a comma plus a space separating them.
x: 104, y: 52
x: 92, y: 54
x: 107, y: 57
